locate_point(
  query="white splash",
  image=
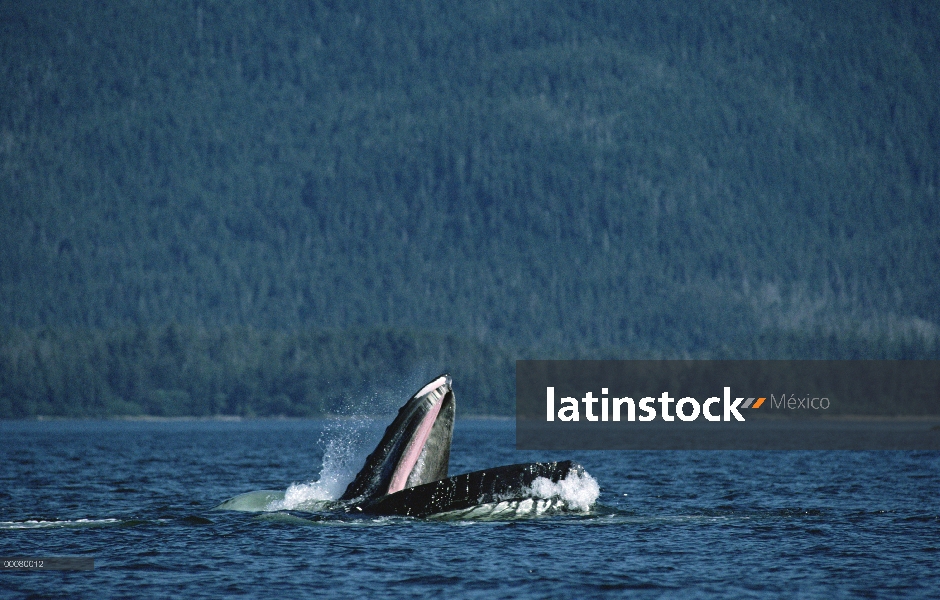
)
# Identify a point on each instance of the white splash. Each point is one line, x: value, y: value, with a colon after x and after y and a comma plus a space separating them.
x: 341, y: 461
x: 579, y: 491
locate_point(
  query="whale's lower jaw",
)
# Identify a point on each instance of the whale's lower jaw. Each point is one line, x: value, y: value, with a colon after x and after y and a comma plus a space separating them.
x: 510, y: 482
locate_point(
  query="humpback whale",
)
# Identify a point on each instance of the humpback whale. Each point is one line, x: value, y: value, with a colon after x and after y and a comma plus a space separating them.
x: 407, y: 473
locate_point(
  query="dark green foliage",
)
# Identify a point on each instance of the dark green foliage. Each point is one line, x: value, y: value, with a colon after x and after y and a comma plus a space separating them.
x: 570, y: 178
x: 179, y: 371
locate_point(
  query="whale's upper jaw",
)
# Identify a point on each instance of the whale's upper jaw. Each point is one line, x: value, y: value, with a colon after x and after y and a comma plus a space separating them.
x: 415, y: 448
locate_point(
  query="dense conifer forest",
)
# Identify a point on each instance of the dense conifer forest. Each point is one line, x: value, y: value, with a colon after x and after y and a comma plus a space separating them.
x: 262, y: 208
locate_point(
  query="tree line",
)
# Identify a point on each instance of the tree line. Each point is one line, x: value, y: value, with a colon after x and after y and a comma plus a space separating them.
x: 177, y: 370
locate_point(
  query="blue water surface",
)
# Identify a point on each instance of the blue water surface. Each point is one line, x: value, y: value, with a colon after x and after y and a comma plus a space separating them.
x: 139, y: 498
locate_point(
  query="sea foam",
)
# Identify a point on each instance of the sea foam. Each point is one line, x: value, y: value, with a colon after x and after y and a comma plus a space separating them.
x: 579, y: 491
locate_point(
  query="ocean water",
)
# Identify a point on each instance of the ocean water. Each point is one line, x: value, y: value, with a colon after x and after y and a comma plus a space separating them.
x: 139, y: 497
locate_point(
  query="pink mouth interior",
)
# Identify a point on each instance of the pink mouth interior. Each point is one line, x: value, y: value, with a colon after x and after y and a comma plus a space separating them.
x: 413, y: 450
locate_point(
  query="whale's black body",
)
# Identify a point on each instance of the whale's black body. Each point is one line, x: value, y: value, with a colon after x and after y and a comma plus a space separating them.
x: 511, y: 482
x: 406, y: 474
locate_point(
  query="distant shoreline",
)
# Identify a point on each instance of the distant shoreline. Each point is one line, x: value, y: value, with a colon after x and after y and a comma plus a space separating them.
x: 378, y: 416
x: 236, y: 418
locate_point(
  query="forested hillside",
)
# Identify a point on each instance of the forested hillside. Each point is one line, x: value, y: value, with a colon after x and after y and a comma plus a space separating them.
x: 313, y: 197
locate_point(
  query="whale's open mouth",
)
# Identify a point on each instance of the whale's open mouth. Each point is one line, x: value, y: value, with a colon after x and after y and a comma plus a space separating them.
x: 415, y: 449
